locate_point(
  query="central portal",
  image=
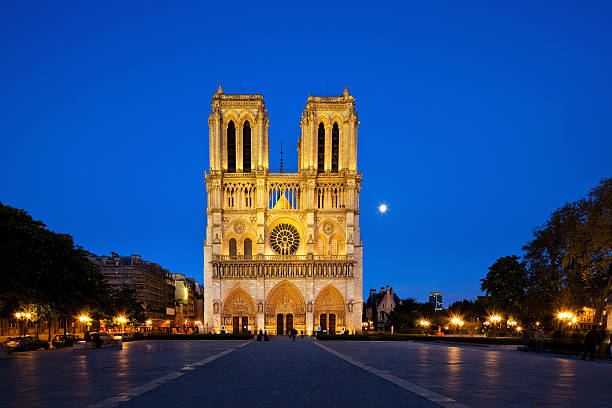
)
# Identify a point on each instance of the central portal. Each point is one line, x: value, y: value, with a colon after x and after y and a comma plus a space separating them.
x: 285, y: 309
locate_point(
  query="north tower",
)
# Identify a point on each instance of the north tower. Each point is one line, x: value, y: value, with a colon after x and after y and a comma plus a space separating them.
x: 282, y: 250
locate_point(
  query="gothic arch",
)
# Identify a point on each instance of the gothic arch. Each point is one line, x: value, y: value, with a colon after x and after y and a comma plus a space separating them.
x: 239, y: 303
x: 249, y: 229
x: 341, y: 242
x: 285, y: 298
x: 246, y: 115
x: 330, y: 300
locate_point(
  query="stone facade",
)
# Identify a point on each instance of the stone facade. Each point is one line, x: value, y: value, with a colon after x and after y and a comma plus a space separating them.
x: 282, y: 250
x: 378, y: 308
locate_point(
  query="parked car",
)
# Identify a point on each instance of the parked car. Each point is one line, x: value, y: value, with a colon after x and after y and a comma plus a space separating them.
x: 64, y: 341
x: 106, y: 339
x: 26, y: 343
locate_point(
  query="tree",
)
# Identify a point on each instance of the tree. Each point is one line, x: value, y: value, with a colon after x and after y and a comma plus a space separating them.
x: 506, y: 285
x: 43, y: 271
x: 570, y: 257
x: 125, y: 303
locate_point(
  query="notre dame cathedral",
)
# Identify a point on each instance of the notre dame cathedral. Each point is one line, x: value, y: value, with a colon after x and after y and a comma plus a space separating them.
x: 282, y: 250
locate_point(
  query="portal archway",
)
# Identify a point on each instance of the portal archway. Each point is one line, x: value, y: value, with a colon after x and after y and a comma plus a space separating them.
x: 330, y: 310
x: 238, y: 309
x: 283, y: 300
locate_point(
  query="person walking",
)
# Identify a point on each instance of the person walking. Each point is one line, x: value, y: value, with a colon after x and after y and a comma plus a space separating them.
x: 591, y: 340
x: 539, y: 336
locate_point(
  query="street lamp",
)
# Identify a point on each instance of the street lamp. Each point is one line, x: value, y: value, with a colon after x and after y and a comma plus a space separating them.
x: 496, y: 319
x: 121, y: 320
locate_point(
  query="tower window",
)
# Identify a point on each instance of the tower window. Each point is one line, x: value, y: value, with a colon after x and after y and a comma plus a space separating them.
x: 246, y: 147
x: 321, y: 149
x: 333, y: 246
x: 335, y: 147
x: 231, y: 147
x: 232, y: 248
x: 248, y: 248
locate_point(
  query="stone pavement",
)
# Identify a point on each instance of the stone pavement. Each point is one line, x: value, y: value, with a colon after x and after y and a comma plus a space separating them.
x: 279, y: 372
x: 480, y: 377
x: 79, y: 378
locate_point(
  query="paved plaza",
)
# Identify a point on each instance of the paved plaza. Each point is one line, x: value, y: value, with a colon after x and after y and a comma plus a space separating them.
x: 304, y: 373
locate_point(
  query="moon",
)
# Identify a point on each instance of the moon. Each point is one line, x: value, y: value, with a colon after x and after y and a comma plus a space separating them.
x: 382, y: 208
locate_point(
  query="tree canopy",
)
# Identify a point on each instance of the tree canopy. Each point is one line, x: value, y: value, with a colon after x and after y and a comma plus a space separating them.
x: 45, y: 272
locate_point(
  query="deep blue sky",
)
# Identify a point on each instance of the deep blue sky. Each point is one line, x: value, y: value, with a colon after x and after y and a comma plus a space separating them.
x: 477, y: 120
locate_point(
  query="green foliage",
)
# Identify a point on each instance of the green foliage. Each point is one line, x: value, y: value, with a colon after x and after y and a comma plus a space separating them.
x: 469, y: 309
x: 124, y: 303
x: 570, y: 257
x: 42, y: 271
x: 409, y: 312
x: 506, y: 285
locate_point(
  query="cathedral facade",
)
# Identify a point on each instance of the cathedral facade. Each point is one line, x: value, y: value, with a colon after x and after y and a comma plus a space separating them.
x: 282, y: 250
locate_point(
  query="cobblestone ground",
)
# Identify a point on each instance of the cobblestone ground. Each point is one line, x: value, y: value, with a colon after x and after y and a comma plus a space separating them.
x: 78, y: 378
x: 479, y: 377
x: 279, y: 372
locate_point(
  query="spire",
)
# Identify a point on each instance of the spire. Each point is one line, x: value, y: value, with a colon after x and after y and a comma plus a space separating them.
x: 220, y: 90
x: 281, y: 166
x: 346, y: 91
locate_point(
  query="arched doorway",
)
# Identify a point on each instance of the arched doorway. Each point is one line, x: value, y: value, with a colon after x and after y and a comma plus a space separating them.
x: 238, y: 310
x: 287, y: 303
x: 280, y: 324
x: 329, y: 310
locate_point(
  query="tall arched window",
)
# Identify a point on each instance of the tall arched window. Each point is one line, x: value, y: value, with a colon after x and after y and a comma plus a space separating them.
x: 320, y: 247
x: 246, y: 147
x: 333, y: 246
x: 232, y: 248
x: 248, y: 248
x: 321, y: 149
x: 335, y: 147
x: 231, y: 147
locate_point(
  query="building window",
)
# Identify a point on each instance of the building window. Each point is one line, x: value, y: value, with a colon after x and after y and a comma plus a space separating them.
x: 248, y: 248
x: 231, y: 147
x: 335, y: 147
x: 321, y: 149
x: 320, y: 247
x: 382, y: 315
x: 333, y: 246
x: 246, y: 147
x: 232, y: 248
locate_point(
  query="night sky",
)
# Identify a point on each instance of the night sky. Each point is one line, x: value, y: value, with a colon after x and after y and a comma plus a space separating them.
x: 477, y: 120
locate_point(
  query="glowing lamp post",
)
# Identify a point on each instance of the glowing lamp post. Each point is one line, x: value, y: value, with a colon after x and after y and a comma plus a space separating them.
x: 121, y: 320
x: 457, y: 322
x: 566, y: 317
x: 496, y: 319
x: 424, y: 324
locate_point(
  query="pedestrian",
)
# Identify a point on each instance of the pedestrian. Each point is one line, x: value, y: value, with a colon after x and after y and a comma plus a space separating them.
x: 293, y: 334
x: 526, y: 338
x: 260, y: 335
x: 591, y: 341
x: 539, y: 336
x: 87, y: 336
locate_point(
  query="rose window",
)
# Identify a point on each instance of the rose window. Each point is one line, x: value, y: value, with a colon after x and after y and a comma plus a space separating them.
x: 285, y: 239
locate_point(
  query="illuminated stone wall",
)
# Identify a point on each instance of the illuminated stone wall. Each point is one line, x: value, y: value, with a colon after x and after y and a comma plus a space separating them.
x: 303, y: 228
